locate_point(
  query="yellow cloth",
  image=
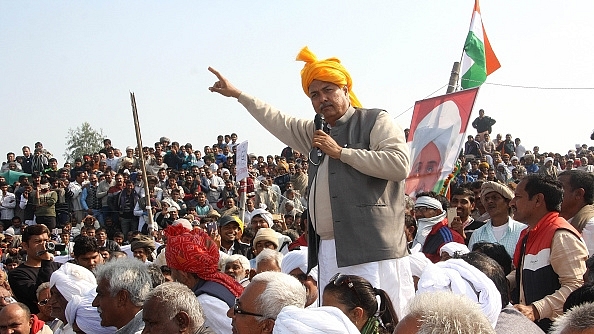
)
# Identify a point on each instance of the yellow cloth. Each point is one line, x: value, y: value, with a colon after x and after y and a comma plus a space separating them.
x: 329, y: 70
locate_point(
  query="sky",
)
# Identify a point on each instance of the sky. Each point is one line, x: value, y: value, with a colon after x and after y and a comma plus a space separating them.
x: 68, y: 62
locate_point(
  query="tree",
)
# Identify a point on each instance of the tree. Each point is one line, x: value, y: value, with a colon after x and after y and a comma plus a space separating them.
x: 83, y: 140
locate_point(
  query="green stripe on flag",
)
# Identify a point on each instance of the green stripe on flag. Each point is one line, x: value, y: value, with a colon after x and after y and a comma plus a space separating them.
x: 477, y: 73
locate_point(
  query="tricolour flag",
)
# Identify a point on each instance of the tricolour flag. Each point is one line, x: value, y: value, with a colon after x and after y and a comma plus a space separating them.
x: 478, y: 59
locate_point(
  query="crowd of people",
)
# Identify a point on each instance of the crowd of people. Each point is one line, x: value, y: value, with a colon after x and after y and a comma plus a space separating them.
x: 318, y: 239
x: 270, y: 236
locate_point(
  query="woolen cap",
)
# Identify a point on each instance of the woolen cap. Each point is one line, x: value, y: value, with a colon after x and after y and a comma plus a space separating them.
x: 266, y: 234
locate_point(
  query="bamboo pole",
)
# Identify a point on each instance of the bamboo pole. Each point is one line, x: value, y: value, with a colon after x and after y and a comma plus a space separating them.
x: 142, y: 165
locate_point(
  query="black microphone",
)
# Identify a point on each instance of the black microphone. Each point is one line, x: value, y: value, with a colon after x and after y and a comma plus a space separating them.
x: 319, y: 124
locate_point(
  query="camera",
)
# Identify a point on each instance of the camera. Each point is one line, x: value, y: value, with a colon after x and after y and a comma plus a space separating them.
x: 49, y: 247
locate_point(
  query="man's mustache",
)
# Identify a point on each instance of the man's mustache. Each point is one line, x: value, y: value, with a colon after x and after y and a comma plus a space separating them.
x: 325, y: 104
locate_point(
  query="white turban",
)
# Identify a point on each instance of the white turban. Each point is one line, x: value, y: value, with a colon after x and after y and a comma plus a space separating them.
x: 323, y: 319
x: 73, y: 280
x: 429, y: 202
x: 454, y: 247
x: 264, y: 214
x: 440, y: 126
x: 80, y: 310
x: 295, y: 259
x: 462, y: 278
x: 298, y: 259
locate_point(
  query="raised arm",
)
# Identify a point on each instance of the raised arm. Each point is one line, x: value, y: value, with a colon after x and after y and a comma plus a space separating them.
x: 223, y: 86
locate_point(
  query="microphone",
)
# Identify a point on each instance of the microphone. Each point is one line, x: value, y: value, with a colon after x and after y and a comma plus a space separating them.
x: 319, y: 121
x: 319, y: 124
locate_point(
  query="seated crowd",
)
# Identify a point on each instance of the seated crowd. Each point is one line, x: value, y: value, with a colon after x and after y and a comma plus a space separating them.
x: 86, y: 250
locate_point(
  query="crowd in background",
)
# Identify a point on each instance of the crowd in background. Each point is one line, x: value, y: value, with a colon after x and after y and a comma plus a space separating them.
x: 97, y: 212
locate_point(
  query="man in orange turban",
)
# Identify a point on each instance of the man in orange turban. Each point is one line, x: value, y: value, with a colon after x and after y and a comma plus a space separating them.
x: 358, y: 162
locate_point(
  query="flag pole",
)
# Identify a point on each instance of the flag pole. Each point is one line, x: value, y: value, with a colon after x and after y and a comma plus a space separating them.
x: 476, y: 4
x: 454, y: 76
x: 142, y: 165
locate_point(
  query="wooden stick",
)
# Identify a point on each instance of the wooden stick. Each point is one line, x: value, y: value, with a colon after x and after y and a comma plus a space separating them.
x: 142, y: 166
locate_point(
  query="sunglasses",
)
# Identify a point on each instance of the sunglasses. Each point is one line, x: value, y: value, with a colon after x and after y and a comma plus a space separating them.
x: 237, y: 310
x: 43, y: 302
x: 340, y: 279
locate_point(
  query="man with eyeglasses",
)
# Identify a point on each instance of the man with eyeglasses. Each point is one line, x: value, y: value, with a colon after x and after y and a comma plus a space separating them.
x: 43, y: 296
x: 433, y: 230
x: 260, y: 304
x: 6, y: 297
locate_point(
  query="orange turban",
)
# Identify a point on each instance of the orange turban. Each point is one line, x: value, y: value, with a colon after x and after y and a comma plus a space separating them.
x: 329, y: 70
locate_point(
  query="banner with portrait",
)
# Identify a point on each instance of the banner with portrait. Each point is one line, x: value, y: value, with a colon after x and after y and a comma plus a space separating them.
x: 436, y: 135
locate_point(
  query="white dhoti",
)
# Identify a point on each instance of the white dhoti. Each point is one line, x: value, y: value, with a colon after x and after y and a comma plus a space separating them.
x: 393, y: 276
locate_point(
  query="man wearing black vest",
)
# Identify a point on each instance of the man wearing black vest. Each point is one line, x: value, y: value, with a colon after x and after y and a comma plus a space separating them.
x: 358, y: 162
x: 550, y: 255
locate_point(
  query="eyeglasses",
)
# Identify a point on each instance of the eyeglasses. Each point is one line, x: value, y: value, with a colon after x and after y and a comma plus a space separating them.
x: 421, y: 209
x: 340, y: 279
x: 43, y: 302
x: 237, y: 310
x: 9, y: 299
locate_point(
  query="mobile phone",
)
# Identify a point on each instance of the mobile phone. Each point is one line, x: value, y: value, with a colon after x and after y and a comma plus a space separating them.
x: 211, y: 227
x: 452, y: 213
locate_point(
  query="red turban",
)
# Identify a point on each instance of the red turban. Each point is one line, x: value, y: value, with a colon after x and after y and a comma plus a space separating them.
x: 329, y: 70
x: 195, y: 252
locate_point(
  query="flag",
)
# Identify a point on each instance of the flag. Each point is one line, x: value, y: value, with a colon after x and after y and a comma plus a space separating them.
x: 478, y: 58
x: 436, y: 135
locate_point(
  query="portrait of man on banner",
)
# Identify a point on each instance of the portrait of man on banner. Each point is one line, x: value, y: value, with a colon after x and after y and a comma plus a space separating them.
x: 436, y: 135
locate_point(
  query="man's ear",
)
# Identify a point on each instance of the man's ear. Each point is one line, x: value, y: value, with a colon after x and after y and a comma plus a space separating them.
x: 122, y: 297
x: 183, y: 320
x: 267, y: 325
x: 580, y: 192
x: 540, y: 199
x: 345, y: 89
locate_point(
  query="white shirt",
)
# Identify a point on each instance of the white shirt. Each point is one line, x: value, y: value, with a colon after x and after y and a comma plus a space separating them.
x: 520, y: 151
x: 215, y: 314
